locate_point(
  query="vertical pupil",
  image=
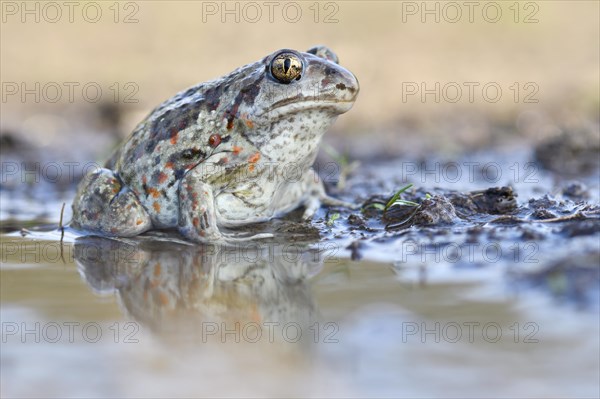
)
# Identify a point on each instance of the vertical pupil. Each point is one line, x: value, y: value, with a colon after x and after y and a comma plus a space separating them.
x: 286, y: 65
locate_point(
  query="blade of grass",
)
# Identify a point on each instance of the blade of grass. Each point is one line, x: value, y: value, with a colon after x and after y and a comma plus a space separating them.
x: 405, y: 202
x: 395, y: 197
x: 332, y: 219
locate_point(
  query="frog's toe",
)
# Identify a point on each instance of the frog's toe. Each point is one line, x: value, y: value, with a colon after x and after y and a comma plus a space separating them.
x: 216, y: 237
x: 351, y: 205
x: 330, y: 201
x: 311, y: 207
x: 242, y: 237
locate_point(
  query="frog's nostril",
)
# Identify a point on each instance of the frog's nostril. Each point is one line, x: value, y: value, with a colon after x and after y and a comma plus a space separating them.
x: 330, y: 71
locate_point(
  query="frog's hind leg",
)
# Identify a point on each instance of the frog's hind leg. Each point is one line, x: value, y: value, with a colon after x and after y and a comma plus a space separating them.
x: 102, y: 204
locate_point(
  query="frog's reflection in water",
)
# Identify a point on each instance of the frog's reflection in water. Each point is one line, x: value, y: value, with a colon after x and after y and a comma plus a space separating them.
x: 251, y: 292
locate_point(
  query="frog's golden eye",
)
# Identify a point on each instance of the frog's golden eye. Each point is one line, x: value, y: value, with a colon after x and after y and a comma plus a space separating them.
x: 286, y: 67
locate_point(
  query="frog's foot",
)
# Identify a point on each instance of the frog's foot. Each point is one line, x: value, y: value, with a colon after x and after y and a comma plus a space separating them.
x: 102, y: 204
x: 242, y: 237
x: 319, y: 197
x: 198, y: 219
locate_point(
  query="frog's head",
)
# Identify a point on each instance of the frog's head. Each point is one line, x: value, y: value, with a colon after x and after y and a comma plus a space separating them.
x: 296, y: 82
x: 286, y: 102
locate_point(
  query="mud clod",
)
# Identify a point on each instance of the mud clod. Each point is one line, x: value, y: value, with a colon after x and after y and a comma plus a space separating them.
x: 435, y: 210
x: 356, y: 220
x: 493, y: 201
x: 576, y: 191
x: 542, y: 214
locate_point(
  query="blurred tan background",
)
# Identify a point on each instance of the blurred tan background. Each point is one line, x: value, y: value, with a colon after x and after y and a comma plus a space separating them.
x: 386, y: 44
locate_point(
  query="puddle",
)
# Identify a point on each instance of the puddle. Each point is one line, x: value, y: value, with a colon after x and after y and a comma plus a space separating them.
x: 151, y: 317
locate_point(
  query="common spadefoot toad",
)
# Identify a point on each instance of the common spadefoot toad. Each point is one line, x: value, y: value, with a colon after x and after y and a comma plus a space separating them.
x: 225, y: 153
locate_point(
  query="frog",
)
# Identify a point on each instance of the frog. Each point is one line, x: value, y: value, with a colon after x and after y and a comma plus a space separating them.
x: 226, y: 153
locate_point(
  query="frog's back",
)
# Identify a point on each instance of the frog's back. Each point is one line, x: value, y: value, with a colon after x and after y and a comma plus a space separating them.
x: 172, y: 140
x: 158, y: 140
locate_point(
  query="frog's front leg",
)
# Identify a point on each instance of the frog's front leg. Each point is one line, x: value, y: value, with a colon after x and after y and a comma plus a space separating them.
x: 104, y: 205
x: 317, y: 197
x: 198, y: 219
x: 197, y: 215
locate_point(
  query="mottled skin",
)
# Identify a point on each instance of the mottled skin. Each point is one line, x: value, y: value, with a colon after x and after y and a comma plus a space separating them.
x: 224, y: 153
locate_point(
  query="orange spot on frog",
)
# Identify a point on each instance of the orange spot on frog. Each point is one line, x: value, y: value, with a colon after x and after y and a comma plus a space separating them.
x: 254, y: 157
x: 162, y: 177
x: 237, y: 150
x: 163, y: 298
x: 174, y: 138
x: 154, y: 192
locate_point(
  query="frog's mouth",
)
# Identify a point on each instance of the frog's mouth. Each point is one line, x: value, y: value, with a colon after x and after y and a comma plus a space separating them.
x: 295, y: 105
